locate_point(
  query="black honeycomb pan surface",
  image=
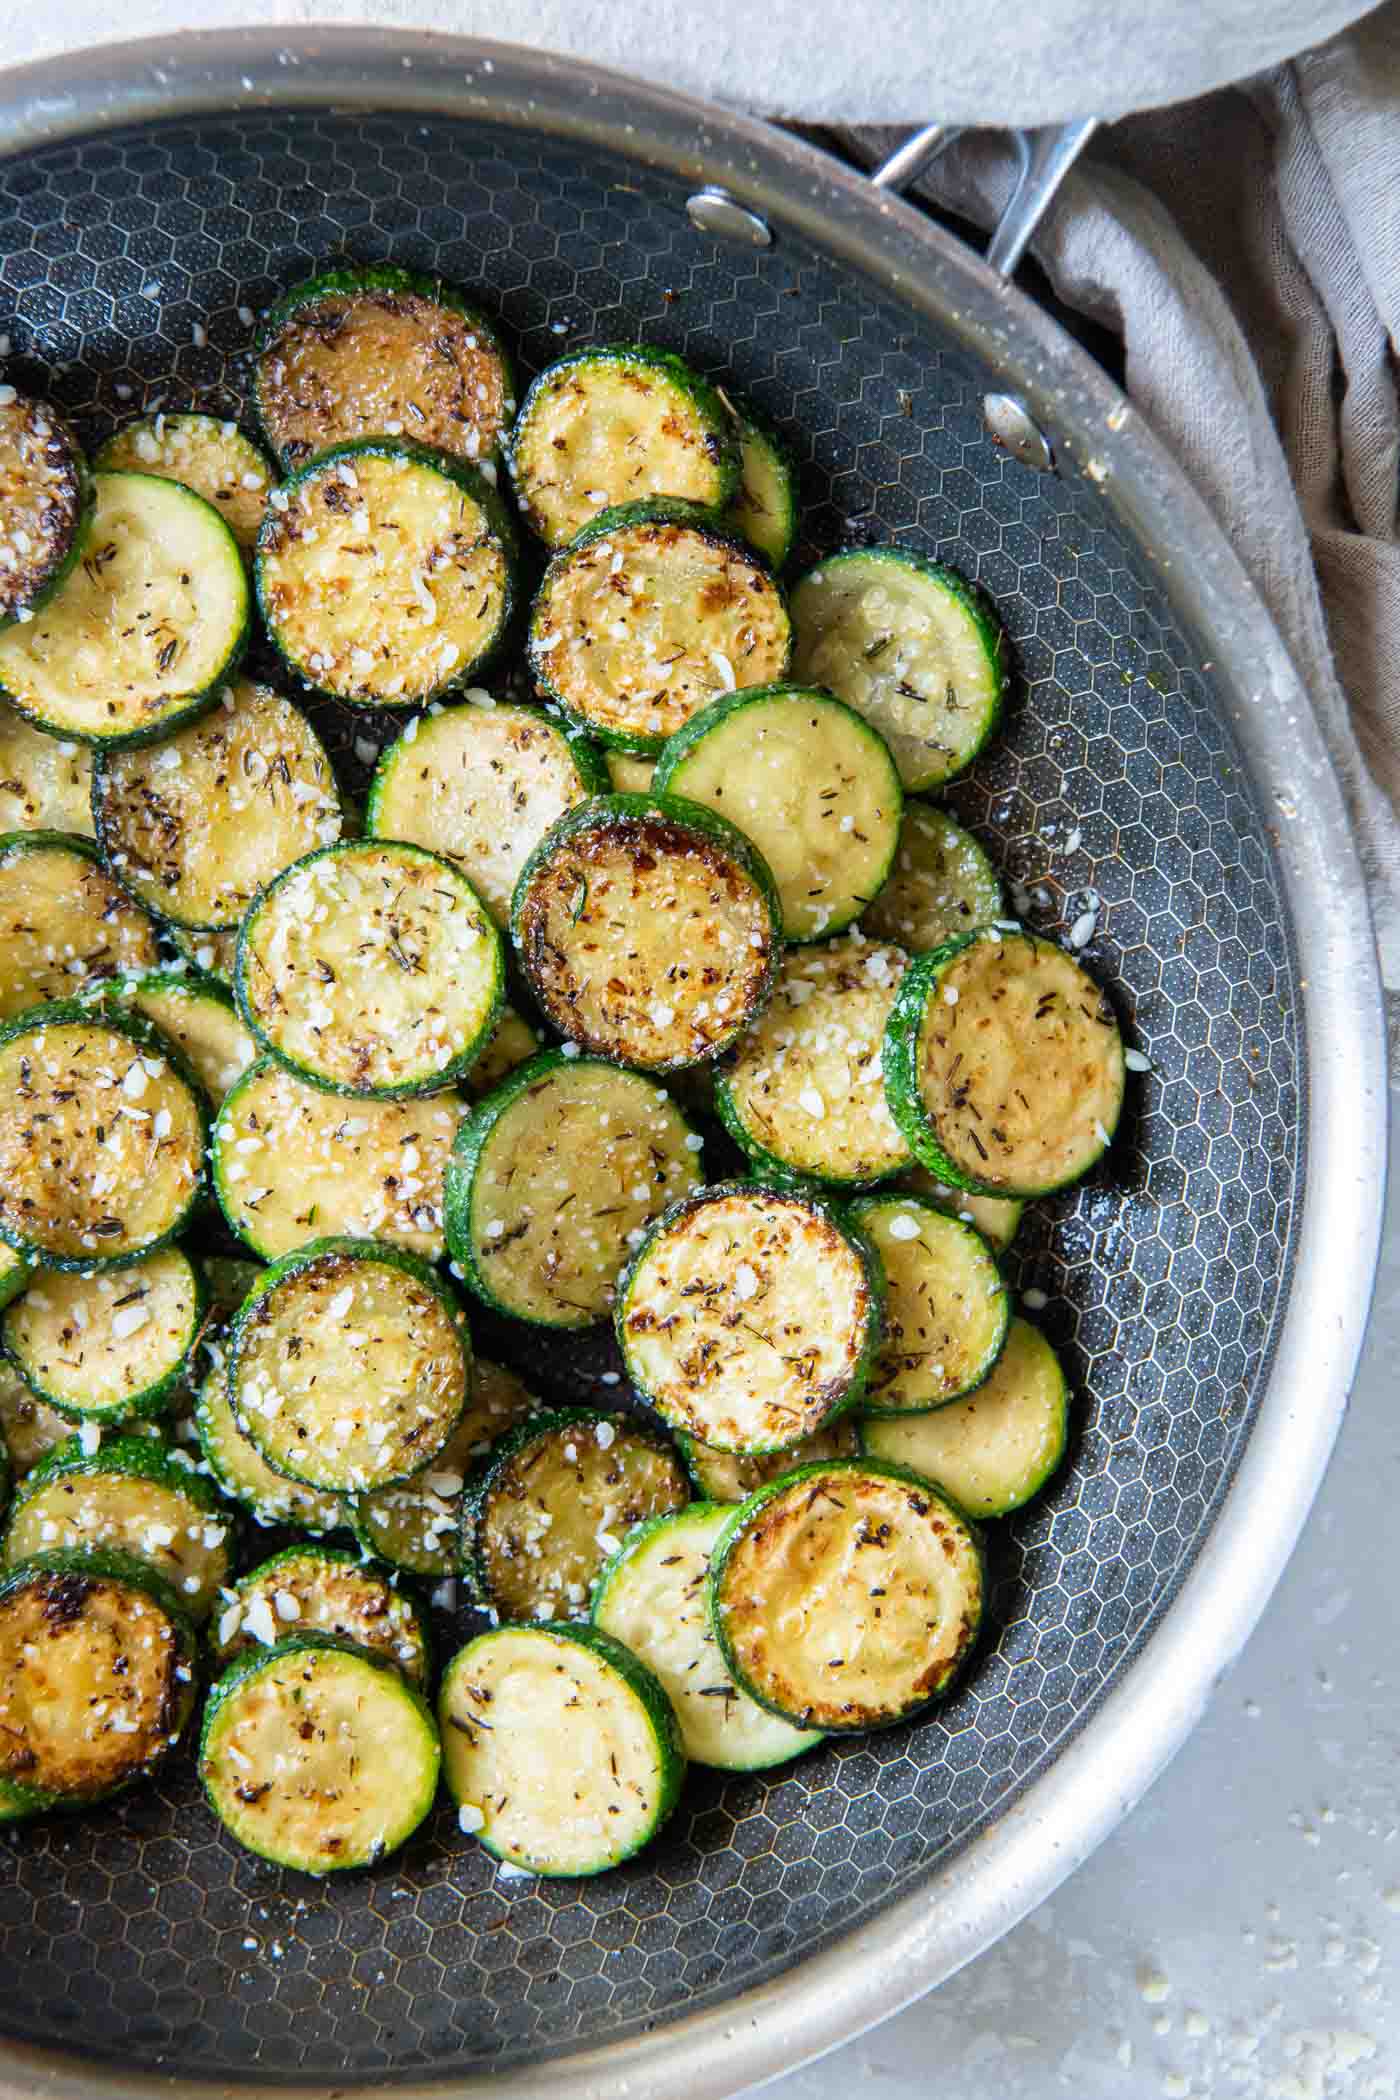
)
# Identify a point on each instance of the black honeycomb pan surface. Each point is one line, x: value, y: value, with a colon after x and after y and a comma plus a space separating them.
x: 140, y: 1933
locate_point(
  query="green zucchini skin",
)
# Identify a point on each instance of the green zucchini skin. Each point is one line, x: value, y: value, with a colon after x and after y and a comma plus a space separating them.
x: 411, y: 1634
x: 151, y: 1400
x: 636, y: 1680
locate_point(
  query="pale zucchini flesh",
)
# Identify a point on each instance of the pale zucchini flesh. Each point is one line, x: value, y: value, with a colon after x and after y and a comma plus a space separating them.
x: 559, y: 1748
x: 322, y: 1589
x: 748, y: 1316
x: 810, y: 782
x: 208, y: 454
x: 63, y: 921
x: 764, y: 505
x: 999, y: 1446
x: 847, y: 1595
x: 45, y: 781
x: 481, y: 785
x: 804, y: 1090
x: 44, y: 502
x: 630, y: 772
x: 371, y: 968
x: 946, y: 1306
x: 198, y: 1016
x: 15, y: 1273
x: 197, y: 825
x: 242, y: 1471
x: 415, y: 1524
x: 997, y: 1218
x: 292, y: 1163
x: 213, y: 953
x: 110, y: 1346
x: 732, y: 1476
x: 144, y: 629
x: 941, y: 884
x: 654, y: 1598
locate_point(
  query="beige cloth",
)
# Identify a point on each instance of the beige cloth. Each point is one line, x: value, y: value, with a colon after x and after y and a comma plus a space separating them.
x: 1247, y: 249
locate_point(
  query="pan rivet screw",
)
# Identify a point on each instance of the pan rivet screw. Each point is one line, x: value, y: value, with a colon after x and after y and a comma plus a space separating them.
x: 1009, y: 423
x: 713, y: 210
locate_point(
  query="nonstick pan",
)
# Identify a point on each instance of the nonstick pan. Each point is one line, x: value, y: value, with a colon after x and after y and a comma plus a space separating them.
x: 1208, y: 1288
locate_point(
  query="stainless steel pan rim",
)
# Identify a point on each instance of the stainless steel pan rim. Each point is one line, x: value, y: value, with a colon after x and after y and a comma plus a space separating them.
x: 1158, y: 1696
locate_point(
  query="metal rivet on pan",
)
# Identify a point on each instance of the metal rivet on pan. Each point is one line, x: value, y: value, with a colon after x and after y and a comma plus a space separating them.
x: 1009, y: 423
x: 713, y: 210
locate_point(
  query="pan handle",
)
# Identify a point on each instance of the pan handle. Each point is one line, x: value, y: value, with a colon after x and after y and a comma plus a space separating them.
x: 1046, y: 157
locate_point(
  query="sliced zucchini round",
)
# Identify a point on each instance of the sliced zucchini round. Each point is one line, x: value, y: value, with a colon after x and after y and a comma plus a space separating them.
x: 510, y: 1043
x: 552, y: 1503
x: 946, y: 1306
x: 45, y: 503
x: 323, y: 1589
x: 481, y: 785
x: 213, y: 953
x: 63, y: 920
x: 131, y: 1495
x: 110, y: 1346
x: 997, y: 1218
x: 378, y: 351
x: 764, y: 506
x: 45, y: 781
x: 732, y: 1476
x: 810, y: 782
x: 386, y: 573
x: 629, y: 772
x: 195, y: 827
x: 208, y: 454
x: 147, y: 628
x: 942, y: 883
x: 242, y: 1471
x: 198, y: 1016
x: 102, y: 1136
x: 647, y: 617
x: 622, y: 423
x: 912, y: 646
x: 292, y: 1163
x: 349, y: 1364
x: 750, y: 1315
x: 1000, y: 1445
x: 653, y: 1596
x: 416, y: 1524
x: 29, y: 1427
x: 552, y: 1179
x: 560, y: 1749
x: 1003, y: 1065
x: 97, y: 1677
x: 847, y: 1595
x: 804, y: 1091
x: 318, y: 1755
x: 371, y: 967
x: 648, y: 930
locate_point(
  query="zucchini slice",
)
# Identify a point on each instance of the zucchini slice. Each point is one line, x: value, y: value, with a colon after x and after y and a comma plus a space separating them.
x: 197, y: 1015
x: 732, y: 1476
x: 242, y: 1471
x: 208, y: 454
x: 847, y: 1595
x: 482, y: 785
x: 323, y: 1589
x: 110, y: 1346
x: 630, y: 772
x: 647, y: 617
x: 380, y: 352
x: 622, y: 423
x: 997, y: 1218
x: 15, y: 1274
x: 510, y: 1043
x: 371, y: 967
x: 804, y: 1091
x: 810, y: 782
x: 29, y: 1427
x: 942, y: 883
x: 349, y: 1364
x: 45, y: 503
x: 416, y: 1524
x: 197, y: 826
x: 653, y: 1596
x: 132, y: 1495
x: 212, y: 953
x: 63, y: 920
x: 750, y: 1315
x: 292, y: 1163
x: 1003, y: 1065
x: 552, y: 1503
x: 97, y: 1676
x: 560, y: 1749
x: 45, y: 781
x: 648, y: 930
x: 102, y: 1137
x: 552, y: 1180
x: 146, y: 629
x: 912, y: 646
x: 386, y: 573
x: 946, y: 1306
x: 764, y: 506
x: 318, y: 1755
x: 1000, y: 1445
